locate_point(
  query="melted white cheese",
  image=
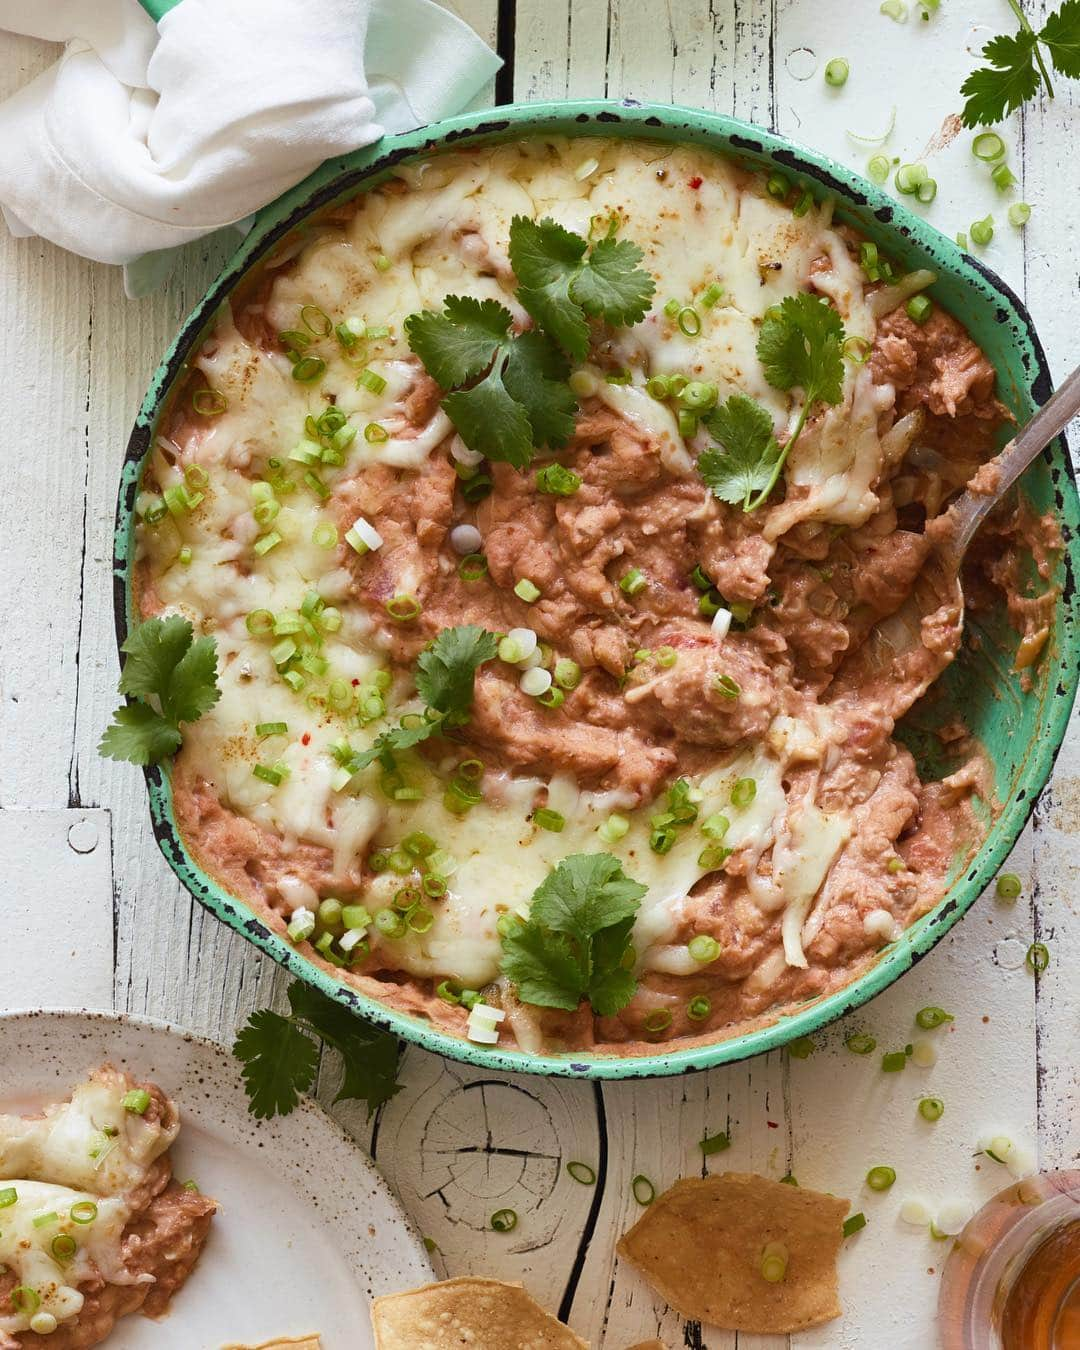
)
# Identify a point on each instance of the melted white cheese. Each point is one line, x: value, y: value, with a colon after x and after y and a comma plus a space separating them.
x: 448, y: 234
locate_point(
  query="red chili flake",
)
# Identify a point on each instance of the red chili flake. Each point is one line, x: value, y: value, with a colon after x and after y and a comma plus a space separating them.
x: 355, y: 684
x: 305, y: 739
x: 772, y: 1124
x: 696, y: 181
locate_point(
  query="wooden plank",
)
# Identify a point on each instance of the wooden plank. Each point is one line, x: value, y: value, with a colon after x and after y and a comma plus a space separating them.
x: 56, y: 890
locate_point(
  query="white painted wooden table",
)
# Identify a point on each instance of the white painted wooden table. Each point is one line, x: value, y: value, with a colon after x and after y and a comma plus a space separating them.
x: 92, y: 915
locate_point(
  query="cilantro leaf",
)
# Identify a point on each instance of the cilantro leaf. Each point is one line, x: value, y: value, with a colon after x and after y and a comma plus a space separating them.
x: 139, y: 735
x: 560, y: 285
x: 1011, y: 77
x: 535, y: 376
x: 369, y: 1056
x: 576, y: 942
x: 800, y: 345
x: 747, y: 454
x: 402, y: 737
x: 490, y: 421
x: 1061, y: 37
x: 153, y: 651
x: 162, y: 662
x: 546, y: 967
x: 446, y: 669
x: 612, y: 286
x: 586, y: 893
x: 459, y: 344
x: 279, y: 1061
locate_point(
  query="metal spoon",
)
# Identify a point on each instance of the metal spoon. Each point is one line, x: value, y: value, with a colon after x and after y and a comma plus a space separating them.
x: 905, y: 653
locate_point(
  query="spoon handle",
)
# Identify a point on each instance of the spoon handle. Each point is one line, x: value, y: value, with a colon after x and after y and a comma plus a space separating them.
x: 1051, y: 419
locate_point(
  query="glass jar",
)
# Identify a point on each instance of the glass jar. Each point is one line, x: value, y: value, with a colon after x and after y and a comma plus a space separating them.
x: 1012, y: 1279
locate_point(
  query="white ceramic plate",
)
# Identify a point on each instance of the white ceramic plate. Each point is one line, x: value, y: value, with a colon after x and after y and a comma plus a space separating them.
x: 307, y: 1230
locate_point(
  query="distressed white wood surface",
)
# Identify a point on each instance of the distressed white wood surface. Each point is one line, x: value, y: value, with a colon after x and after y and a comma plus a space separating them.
x: 459, y: 1144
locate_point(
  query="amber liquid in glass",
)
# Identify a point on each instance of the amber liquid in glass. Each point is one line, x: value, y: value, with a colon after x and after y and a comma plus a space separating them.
x: 1042, y: 1308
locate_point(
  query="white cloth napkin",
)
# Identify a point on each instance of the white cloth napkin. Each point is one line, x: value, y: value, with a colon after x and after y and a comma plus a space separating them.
x: 143, y: 137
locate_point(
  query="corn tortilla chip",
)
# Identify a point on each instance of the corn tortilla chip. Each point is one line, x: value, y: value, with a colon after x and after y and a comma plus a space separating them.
x: 479, y: 1314
x: 700, y: 1243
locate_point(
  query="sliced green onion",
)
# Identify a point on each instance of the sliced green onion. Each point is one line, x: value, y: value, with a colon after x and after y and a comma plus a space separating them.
x: 613, y: 829
x: 788, y: 1180
x: 853, y: 1224
x: 672, y: 308
x: 802, y: 1048
x: 988, y: 146
x: 713, y: 857
x: 582, y: 1173
x: 698, y: 1008
x: 634, y: 582
x: 1003, y: 177
x: 909, y: 176
x: 919, y: 308
x: 961, y: 240
x: 699, y: 396
x: 330, y: 911
x: 666, y: 656
x: 778, y: 187
x: 390, y: 923
x: 472, y: 567
x: 926, y: 191
x: 1038, y: 957
x: 1009, y: 886
x: 504, y: 1220
x: 567, y: 673
x: 547, y: 819
x: 861, y: 1043
x: 894, y: 1061
x: 837, y: 72
x: 83, y: 1211
x: 715, y: 826
x: 880, y: 1178
x: 294, y: 680
x: 712, y: 293
x: 714, y: 1143
x: 259, y: 622
x: 557, y: 481
x: 744, y: 792
x: 209, y: 402
x: 527, y: 590
x: 477, y: 488
x: 726, y: 687
x: 551, y: 698
x: 274, y: 774
x: 931, y: 1108
x: 644, y: 1191
x: 419, y: 919
x: 687, y: 423
x: 63, y: 1247
x: 375, y: 433
x: 895, y: 10
x: 982, y: 231
x: 803, y: 204
x: 689, y: 321
x: 136, y: 1101
x: 308, y: 369
x: 774, y: 1262
x: 267, y: 542
x: 703, y: 948
x: 658, y: 388
x: 44, y: 1220
x: 879, y: 168
x: 316, y: 321
x: 369, y: 380
x: 618, y: 377
x: 929, y: 1018
x: 403, y: 608
x: 8, y: 1196
x: 656, y: 1021
x: 1019, y: 214
x: 24, y: 1299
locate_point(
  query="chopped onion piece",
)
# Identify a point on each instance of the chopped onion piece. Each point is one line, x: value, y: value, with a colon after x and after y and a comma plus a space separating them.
x: 586, y: 169
x: 915, y: 1213
x: 486, y: 1013
x: 890, y: 297
x: 721, y: 622
x: 925, y: 1056
x: 584, y: 384
x: 351, y: 938
x: 879, y: 923
x: 465, y: 539
x: 482, y: 1033
x: 534, y: 659
x: 525, y: 640
x: 952, y: 1218
x: 461, y: 452
x: 535, y: 682
x: 366, y: 533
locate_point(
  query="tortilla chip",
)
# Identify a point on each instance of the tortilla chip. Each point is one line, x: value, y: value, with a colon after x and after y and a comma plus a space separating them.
x: 479, y: 1314
x: 700, y: 1243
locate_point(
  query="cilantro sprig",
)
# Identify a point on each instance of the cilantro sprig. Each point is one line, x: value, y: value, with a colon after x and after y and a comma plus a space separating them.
x: 800, y: 346
x: 280, y: 1054
x: 1017, y: 64
x: 173, y: 679
x: 508, y: 393
x: 445, y: 680
x: 575, y: 943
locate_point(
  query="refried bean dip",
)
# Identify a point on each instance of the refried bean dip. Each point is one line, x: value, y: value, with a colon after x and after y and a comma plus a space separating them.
x: 92, y: 1224
x: 677, y: 679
